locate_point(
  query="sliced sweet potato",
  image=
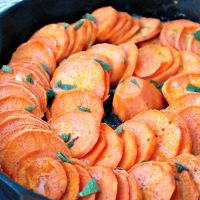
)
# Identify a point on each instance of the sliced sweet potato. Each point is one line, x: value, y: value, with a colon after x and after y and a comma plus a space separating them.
x: 37, y: 51
x: 93, y: 155
x: 73, y: 186
x: 45, y: 176
x: 106, y: 19
x: 190, y: 63
x: 107, y: 182
x: 155, y: 40
x: 116, y: 54
x: 134, y: 95
x: 123, y: 191
x: 131, y: 51
x: 176, y: 195
x: 186, y: 144
x: 167, y: 132
x: 150, y: 27
x: 152, y: 176
x: 145, y: 139
x: 81, y: 126
x: 28, y: 141
x: 58, y: 32
x: 176, y: 87
x: 192, y: 163
x: 80, y: 72
x: 14, y: 102
x: 112, y: 153
x: 84, y: 176
x: 129, y: 149
x: 192, y: 117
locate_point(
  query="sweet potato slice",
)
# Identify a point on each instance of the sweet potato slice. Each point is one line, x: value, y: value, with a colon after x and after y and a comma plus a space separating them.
x: 80, y: 72
x: 45, y: 176
x: 167, y: 132
x: 190, y: 63
x: 107, y: 182
x: 106, y: 19
x: 155, y: 40
x: 123, y: 186
x: 84, y: 176
x: 152, y: 176
x: 145, y: 139
x: 135, y: 95
x: 131, y: 52
x: 192, y: 163
x: 186, y: 144
x: 93, y: 155
x: 71, y: 100
x: 176, y: 87
x: 129, y: 149
x: 14, y: 102
x: 150, y: 27
x: 116, y: 54
x: 58, y: 32
x: 81, y: 126
x: 73, y: 186
x: 37, y: 51
x: 192, y: 117
x: 28, y: 141
x: 112, y: 153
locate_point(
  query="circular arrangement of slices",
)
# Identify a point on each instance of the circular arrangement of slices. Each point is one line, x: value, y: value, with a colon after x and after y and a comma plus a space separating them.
x: 106, y: 108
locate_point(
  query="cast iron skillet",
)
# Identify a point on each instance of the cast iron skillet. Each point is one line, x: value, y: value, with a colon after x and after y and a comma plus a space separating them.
x: 21, y: 20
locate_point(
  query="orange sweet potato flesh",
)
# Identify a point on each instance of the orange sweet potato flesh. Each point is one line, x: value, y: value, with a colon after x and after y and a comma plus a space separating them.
x: 145, y: 138
x: 175, y: 87
x: 129, y: 150
x: 28, y: 141
x: 192, y: 163
x: 84, y: 176
x: 167, y: 132
x: 107, y: 182
x: 191, y: 115
x: 69, y: 101
x: 93, y: 155
x: 81, y: 125
x: 73, y: 186
x: 153, y: 177
x: 123, y: 186
x: 45, y: 176
x: 186, y: 144
x: 112, y: 153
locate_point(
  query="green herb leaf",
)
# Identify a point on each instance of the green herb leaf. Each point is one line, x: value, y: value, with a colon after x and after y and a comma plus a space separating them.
x: 90, y: 17
x: 71, y: 143
x: 64, y: 86
x: 134, y: 81
x: 63, y: 157
x: 45, y: 67
x: 143, y: 161
x: 106, y: 66
x: 91, y: 187
x: 30, y: 108
x: 29, y: 79
x: 65, y: 137
x: 180, y: 167
x: 78, y: 24
x: 197, y: 35
x: 50, y: 94
x: 125, y: 60
x: 119, y: 130
x: 192, y: 88
x: 62, y: 61
x: 176, y: 178
x: 83, y: 109
x: 6, y: 68
x: 118, y: 168
x: 65, y: 25
x: 136, y: 16
x: 112, y: 91
x: 157, y: 85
